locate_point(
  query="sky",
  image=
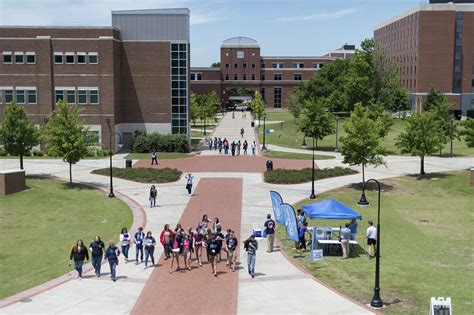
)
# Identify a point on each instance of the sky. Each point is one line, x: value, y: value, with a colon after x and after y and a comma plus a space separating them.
x: 282, y: 27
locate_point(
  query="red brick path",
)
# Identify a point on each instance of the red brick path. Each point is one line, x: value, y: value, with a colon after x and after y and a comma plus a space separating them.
x: 198, y: 291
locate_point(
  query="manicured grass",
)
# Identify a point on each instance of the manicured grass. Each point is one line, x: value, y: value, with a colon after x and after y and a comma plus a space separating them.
x: 161, y: 156
x: 41, y: 223
x: 289, y: 136
x: 426, y: 244
x: 143, y: 175
x: 296, y: 156
x: 287, y: 176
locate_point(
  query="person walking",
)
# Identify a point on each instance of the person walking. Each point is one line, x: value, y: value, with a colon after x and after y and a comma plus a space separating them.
x: 138, y: 237
x: 371, y: 238
x: 125, y: 242
x: 215, y: 143
x: 187, y: 246
x: 154, y: 157
x: 254, y: 147
x: 245, y: 146
x: 189, y: 182
x: 242, y: 132
x: 209, y: 143
x: 231, y: 248
x: 111, y: 255
x: 238, y: 147
x: 269, y: 227
x: 214, y: 249
x: 345, y: 241
x: 150, y: 244
x: 251, y: 246
x: 226, y: 146
x: 353, y: 228
x: 166, y: 239
x: 198, y: 244
x: 301, y: 234
x: 219, y: 145
x: 79, y: 253
x: 232, y: 148
x: 153, y: 194
x: 97, y: 252
x: 204, y: 223
x: 175, y: 253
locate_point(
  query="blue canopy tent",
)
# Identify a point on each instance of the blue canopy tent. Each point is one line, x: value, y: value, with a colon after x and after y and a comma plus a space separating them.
x: 330, y: 209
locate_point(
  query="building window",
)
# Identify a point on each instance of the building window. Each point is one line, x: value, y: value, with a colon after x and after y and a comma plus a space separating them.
x: 227, y: 65
x: 297, y: 77
x: 81, y: 58
x: 179, y: 91
x: 227, y: 77
x: 71, y: 96
x: 262, y: 76
x: 262, y: 91
x: 236, y: 76
x: 277, y: 97
x: 240, y: 54
x: 244, y: 76
x: 82, y: 96
x: 253, y: 76
x: 262, y: 65
x: 253, y: 65
x: 235, y: 65
x: 69, y: 57
x: 278, y: 65
x: 7, y: 57
x: 30, y: 58
x: 94, y: 96
x: 193, y: 76
x: 277, y: 77
x: 58, y: 58
x: 59, y: 95
x: 199, y: 76
x: 8, y: 96
x: 19, y: 57
x: 298, y: 65
x: 20, y: 96
x: 244, y: 65
x: 93, y: 58
x: 31, y: 96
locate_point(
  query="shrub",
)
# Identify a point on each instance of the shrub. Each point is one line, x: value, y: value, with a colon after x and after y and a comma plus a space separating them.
x: 285, y: 176
x: 38, y: 153
x: 3, y: 152
x: 143, y: 175
x: 145, y: 143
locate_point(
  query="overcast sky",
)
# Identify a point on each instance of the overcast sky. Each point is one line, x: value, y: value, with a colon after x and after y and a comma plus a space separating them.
x: 282, y: 27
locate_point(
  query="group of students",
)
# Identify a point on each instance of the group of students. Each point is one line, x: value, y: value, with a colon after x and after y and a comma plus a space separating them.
x: 234, y: 147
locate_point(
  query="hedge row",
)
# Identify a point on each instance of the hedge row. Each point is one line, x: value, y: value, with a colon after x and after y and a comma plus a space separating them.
x: 143, y: 175
x: 145, y: 143
x: 285, y: 176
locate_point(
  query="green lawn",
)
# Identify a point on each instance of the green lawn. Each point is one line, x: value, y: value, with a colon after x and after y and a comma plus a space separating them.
x: 161, y: 156
x: 426, y: 245
x: 41, y: 223
x: 296, y: 156
x: 288, y: 135
x: 142, y: 174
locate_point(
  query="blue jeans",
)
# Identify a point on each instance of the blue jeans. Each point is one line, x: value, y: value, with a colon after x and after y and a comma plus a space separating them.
x: 96, y: 263
x: 152, y: 202
x: 139, y: 249
x: 149, y: 251
x: 78, y: 266
x: 251, y: 263
x: 125, y: 250
x: 113, y: 267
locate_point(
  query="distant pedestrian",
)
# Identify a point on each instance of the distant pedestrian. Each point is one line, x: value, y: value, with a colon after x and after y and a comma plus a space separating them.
x: 214, y: 249
x: 97, y: 248
x: 371, y: 239
x: 238, y: 147
x: 187, y: 247
x: 232, y: 149
x: 189, y: 182
x: 79, y: 253
x: 231, y: 248
x: 242, y: 132
x: 154, y: 157
x: 233, y: 115
x: 245, y: 146
x: 111, y: 255
x: 345, y: 238
x: 150, y: 244
x: 270, y: 231
x: 138, y: 237
x: 202, y: 226
x: 125, y: 242
x: 219, y: 145
x: 198, y: 244
x: 251, y: 246
x: 254, y: 147
x: 153, y: 194
x: 353, y: 228
x: 225, y: 143
x: 301, y: 234
x: 166, y: 239
x: 209, y: 143
x: 175, y: 253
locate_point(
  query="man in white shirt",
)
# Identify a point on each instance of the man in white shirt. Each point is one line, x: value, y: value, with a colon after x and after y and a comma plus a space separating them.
x: 371, y: 238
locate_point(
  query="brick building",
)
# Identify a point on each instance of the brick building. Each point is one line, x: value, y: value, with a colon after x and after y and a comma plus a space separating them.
x: 131, y: 76
x: 433, y: 45
x: 242, y: 66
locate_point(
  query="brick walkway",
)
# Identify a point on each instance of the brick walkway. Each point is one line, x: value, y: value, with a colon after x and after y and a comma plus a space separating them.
x: 198, y: 291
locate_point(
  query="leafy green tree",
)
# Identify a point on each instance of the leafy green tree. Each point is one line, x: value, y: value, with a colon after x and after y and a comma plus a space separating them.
x: 294, y: 104
x: 381, y: 118
x: 468, y: 132
x: 434, y: 98
x: 212, y: 106
x: 361, y: 145
x: 421, y: 137
x: 437, y: 103
x: 66, y: 135
x: 258, y: 106
x: 316, y: 120
x: 193, y: 108
x: 215, y: 65
x: 17, y: 135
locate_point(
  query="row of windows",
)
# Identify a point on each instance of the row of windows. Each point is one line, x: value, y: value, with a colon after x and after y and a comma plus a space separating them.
x: 19, y: 94
x: 279, y: 65
x: 179, y: 97
x: 80, y: 96
x: 236, y: 65
x: 19, y: 57
x: 80, y: 58
x: 276, y: 77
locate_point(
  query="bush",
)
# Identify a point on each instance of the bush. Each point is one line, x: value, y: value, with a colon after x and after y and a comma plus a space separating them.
x: 285, y: 176
x: 38, y: 153
x: 143, y: 175
x: 93, y: 152
x: 3, y: 152
x: 145, y: 143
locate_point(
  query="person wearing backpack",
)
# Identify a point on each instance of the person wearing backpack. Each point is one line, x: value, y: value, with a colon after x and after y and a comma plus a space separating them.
x: 139, y: 236
x: 231, y: 247
x: 150, y: 244
x: 79, y: 253
x: 111, y: 254
x: 97, y: 249
x: 214, y: 249
x: 251, y: 246
x: 154, y: 157
x: 269, y: 227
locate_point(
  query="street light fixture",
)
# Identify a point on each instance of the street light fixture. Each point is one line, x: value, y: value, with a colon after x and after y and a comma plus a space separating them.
x: 363, y: 203
x: 111, y: 193
x: 313, y: 195
x: 264, y: 127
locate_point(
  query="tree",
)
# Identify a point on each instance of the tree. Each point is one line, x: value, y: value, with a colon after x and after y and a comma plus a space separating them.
x: 468, y: 132
x: 212, y: 105
x: 360, y: 145
x: 66, y: 135
x: 193, y: 108
x: 382, y: 118
x: 258, y: 106
x: 420, y: 138
x: 294, y: 104
x: 17, y: 135
x: 437, y: 103
x: 316, y: 120
x: 215, y: 65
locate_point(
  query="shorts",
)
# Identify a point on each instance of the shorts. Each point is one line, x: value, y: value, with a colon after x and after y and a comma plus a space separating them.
x: 213, y: 259
x: 371, y: 241
x: 231, y: 255
x: 185, y: 251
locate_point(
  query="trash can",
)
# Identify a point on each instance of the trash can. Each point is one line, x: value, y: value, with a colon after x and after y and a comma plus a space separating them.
x: 252, y: 124
x: 269, y: 165
x: 128, y: 164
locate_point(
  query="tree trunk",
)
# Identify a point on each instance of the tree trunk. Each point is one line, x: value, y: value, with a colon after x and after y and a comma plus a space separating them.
x: 422, y: 166
x: 70, y: 173
x: 21, y: 161
x: 440, y: 151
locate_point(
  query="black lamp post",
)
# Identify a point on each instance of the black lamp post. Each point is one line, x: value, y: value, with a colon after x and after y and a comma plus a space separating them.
x: 313, y: 195
x: 303, y: 144
x: 363, y: 203
x: 263, y: 146
x: 111, y: 193
x: 337, y: 134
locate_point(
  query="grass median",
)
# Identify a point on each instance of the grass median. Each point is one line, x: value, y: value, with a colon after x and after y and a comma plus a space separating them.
x: 426, y: 244
x: 142, y: 174
x: 287, y: 176
x: 296, y: 156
